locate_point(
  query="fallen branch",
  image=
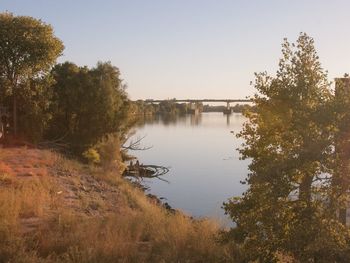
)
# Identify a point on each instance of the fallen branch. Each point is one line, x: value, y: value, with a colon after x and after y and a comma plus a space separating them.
x: 146, y: 171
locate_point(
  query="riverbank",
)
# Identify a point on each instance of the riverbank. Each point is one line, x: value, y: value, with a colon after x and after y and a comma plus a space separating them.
x: 58, y: 210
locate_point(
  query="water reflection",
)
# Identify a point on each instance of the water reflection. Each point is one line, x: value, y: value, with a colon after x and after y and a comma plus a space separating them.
x: 200, y: 150
x: 228, y: 118
x: 169, y: 119
x: 196, y: 119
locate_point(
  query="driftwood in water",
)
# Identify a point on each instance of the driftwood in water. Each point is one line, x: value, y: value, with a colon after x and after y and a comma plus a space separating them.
x: 146, y: 171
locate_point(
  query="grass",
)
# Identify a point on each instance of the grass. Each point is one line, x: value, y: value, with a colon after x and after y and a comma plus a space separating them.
x: 128, y: 228
x: 131, y: 238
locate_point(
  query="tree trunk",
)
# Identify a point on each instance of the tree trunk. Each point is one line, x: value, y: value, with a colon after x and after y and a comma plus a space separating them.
x: 341, y: 176
x: 15, y: 113
x: 342, y: 216
x: 305, y: 189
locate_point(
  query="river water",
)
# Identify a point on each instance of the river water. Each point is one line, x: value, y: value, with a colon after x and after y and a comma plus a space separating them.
x: 200, y: 151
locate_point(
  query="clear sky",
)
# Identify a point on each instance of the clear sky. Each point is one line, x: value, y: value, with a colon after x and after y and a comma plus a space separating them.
x: 192, y: 48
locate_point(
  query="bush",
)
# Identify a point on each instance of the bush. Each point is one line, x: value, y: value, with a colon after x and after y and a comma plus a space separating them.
x: 92, y: 156
x: 109, y: 150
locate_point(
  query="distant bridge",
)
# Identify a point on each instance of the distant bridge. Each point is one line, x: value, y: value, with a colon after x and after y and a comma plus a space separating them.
x: 194, y: 103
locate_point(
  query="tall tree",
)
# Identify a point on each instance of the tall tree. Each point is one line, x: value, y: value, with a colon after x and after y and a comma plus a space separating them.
x: 28, y: 50
x: 87, y: 104
x: 290, y: 139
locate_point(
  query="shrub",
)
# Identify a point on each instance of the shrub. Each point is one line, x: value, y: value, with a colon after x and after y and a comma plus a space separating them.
x: 109, y: 150
x: 92, y: 156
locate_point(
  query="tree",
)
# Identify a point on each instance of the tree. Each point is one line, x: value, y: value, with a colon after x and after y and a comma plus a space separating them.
x: 341, y: 176
x: 28, y: 50
x: 290, y: 139
x: 87, y: 105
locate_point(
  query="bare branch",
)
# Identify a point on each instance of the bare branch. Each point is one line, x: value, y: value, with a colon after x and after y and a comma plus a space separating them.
x: 135, y: 145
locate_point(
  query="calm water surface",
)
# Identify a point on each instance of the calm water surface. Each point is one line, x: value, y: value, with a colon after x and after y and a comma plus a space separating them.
x: 205, y: 169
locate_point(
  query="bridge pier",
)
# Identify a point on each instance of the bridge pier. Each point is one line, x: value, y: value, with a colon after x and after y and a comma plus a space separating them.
x: 228, y: 109
x: 193, y: 108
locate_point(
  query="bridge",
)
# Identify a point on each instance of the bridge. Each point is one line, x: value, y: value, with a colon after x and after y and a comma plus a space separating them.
x: 194, y: 103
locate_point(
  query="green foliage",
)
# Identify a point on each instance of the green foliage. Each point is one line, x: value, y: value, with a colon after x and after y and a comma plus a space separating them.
x: 340, y: 180
x: 108, y: 149
x: 167, y: 107
x: 239, y: 108
x: 88, y: 104
x: 290, y: 139
x: 33, y: 108
x: 92, y: 156
x: 76, y: 106
x: 28, y: 50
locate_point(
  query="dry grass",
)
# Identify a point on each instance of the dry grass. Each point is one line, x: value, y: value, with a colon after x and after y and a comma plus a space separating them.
x: 108, y: 220
x: 150, y: 235
x: 26, y: 162
x: 25, y: 189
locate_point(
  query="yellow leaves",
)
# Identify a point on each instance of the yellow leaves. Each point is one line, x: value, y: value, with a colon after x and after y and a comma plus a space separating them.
x: 92, y: 156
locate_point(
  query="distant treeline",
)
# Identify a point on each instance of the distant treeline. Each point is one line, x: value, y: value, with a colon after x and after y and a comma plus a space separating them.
x: 238, y: 108
x: 141, y: 107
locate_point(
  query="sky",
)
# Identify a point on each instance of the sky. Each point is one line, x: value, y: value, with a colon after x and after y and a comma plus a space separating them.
x: 192, y: 49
